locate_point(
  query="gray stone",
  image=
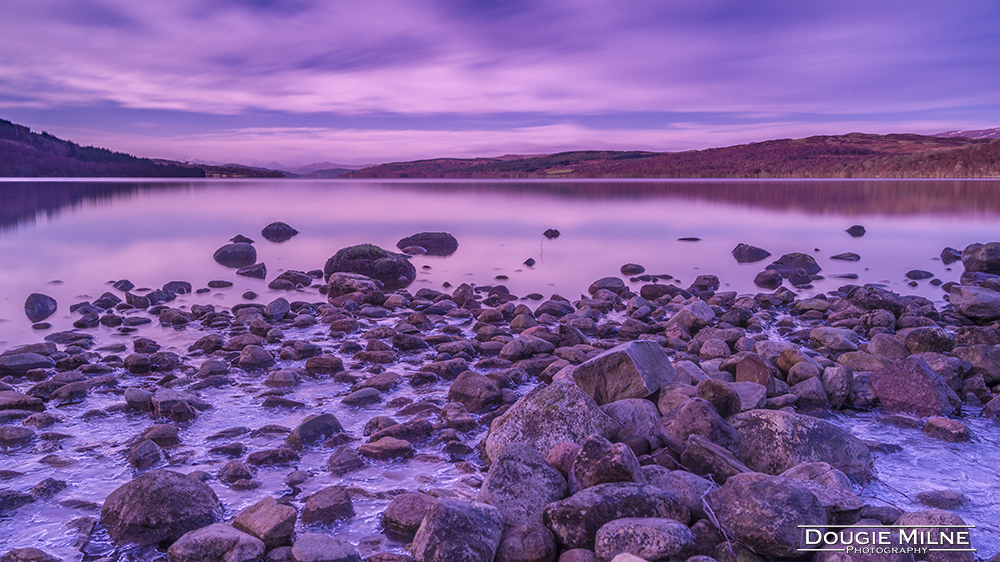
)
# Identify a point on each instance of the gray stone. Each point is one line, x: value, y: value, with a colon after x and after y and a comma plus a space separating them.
x: 520, y: 483
x: 270, y: 521
x: 631, y: 370
x: 328, y: 505
x: 637, y: 416
x: 689, y: 488
x: 836, y: 339
x: 458, y: 531
x: 318, y: 547
x: 393, y: 270
x: 912, y: 387
x: 977, y: 303
x: 236, y: 255
x: 576, y: 519
x: 216, y: 542
x: 21, y: 363
x: 160, y: 505
x: 527, y: 543
x: 406, y: 512
x: 547, y: 416
x: 651, y: 538
x: 705, y: 458
x: 982, y: 257
x: 697, y: 417
x: 599, y: 461
x: 474, y: 391
x: 38, y: 307
x: 773, y: 441
x: 763, y: 512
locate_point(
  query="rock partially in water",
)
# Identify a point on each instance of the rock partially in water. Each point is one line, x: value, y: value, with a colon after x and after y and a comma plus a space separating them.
x: 328, y: 505
x: 278, y: 232
x: 393, y: 270
x: 38, y: 307
x: 239, y: 254
x: 270, y: 521
x: 857, y: 231
x: 911, y: 386
x: 982, y: 257
x: 950, y: 255
x: 745, y: 253
x: 20, y: 363
x: 632, y: 269
x: 551, y: 233
x: 406, y: 512
x: 768, y: 279
x: 976, y: 303
x: 773, y: 441
x: 28, y: 555
x: 160, y: 505
x: 458, y: 531
x: 255, y: 271
x: 319, y: 547
x: 788, y: 263
x: 216, y: 542
x: 435, y: 243
x: 846, y: 256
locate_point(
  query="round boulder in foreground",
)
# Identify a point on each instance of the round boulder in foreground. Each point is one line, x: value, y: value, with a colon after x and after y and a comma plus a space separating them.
x: 436, y: 243
x: 393, y: 270
x: 38, y: 307
x: 160, y: 505
x: 239, y: 254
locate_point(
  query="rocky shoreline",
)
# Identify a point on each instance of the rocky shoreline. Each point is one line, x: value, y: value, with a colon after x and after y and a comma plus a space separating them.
x: 669, y: 424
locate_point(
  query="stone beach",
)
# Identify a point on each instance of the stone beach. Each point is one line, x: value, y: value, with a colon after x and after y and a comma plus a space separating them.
x: 642, y: 421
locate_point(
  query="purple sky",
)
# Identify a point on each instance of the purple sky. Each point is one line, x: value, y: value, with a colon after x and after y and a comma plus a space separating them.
x: 297, y: 81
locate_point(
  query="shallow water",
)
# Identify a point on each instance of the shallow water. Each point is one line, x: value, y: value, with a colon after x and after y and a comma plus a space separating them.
x: 85, y: 234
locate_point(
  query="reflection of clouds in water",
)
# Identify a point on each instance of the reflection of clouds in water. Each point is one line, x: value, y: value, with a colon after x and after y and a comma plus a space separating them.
x: 153, y: 236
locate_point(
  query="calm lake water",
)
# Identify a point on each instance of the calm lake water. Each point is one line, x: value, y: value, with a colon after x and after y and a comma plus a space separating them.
x: 70, y: 239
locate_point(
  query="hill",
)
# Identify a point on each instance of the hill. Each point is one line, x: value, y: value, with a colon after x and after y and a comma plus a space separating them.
x: 854, y: 155
x: 27, y: 154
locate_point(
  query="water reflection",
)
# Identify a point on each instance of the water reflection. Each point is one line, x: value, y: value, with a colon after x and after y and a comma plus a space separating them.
x: 21, y: 201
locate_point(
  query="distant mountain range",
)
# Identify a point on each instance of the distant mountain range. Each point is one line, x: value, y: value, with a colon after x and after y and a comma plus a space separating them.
x: 854, y: 155
x: 953, y: 154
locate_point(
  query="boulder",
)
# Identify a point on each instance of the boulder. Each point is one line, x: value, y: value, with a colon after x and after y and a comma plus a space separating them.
x: 637, y: 416
x: 474, y: 391
x: 911, y: 386
x: 976, y: 303
x: 696, y: 416
x: 236, y: 255
x: 689, y: 488
x: 530, y: 542
x: 520, y: 483
x: 745, y: 253
x: 835, y: 339
x: 549, y: 415
x: 158, y: 506
x: 20, y: 363
x: 216, y: 542
x: 270, y: 521
x: 631, y: 370
x: 393, y: 270
x: 935, y: 519
x: 319, y: 547
x: 764, y: 512
x: 524, y: 346
x: 406, y: 512
x: 576, y: 519
x: 788, y: 263
x: 278, y: 232
x: 314, y: 429
x: 704, y: 458
x: 773, y: 441
x: 38, y: 307
x: 982, y: 257
x: 599, y: 461
x: 458, y: 531
x: 650, y: 538
x: 328, y: 505
x: 985, y: 361
x: 436, y: 243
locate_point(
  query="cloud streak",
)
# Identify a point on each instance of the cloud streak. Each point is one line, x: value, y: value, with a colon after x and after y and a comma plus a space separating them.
x: 809, y: 66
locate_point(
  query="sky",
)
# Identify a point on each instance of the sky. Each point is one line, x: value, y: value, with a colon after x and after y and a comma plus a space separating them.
x: 291, y: 82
